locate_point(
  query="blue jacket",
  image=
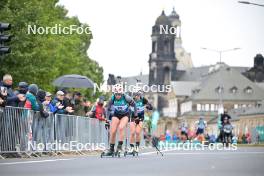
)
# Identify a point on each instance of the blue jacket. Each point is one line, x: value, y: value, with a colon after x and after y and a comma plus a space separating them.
x: 12, y: 99
x: 55, y: 109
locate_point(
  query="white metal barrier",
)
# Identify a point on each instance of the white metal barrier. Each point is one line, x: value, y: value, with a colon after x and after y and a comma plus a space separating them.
x: 23, y: 130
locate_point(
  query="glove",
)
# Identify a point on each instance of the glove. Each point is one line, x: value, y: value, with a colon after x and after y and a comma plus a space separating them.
x: 107, y: 125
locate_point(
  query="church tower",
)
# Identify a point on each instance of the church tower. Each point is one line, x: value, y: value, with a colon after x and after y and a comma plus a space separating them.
x: 162, y: 60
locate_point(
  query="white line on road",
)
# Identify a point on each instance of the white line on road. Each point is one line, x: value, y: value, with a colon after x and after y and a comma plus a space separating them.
x: 215, y: 153
x: 200, y: 153
x: 40, y: 161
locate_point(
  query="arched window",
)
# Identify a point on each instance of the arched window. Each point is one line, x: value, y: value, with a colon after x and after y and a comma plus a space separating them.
x: 234, y: 90
x: 248, y: 90
x: 154, y: 46
x: 166, y: 46
x: 167, y: 76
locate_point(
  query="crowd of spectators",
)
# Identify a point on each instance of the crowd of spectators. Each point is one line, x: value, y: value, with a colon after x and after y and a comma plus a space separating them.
x: 63, y: 102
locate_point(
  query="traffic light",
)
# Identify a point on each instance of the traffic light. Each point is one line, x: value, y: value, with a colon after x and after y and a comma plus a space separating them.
x: 4, y: 38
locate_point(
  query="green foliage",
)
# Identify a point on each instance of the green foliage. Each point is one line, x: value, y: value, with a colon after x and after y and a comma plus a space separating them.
x: 42, y: 58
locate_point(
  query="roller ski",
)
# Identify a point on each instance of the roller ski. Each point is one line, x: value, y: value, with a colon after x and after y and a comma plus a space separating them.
x: 108, y: 153
x: 131, y: 151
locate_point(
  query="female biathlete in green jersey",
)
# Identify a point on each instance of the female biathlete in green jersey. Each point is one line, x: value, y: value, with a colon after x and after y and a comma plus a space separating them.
x: 136, y: 123
x: 119, y: 104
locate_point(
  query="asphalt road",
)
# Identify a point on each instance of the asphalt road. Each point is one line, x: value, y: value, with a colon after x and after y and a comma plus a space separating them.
x: 244, y: 161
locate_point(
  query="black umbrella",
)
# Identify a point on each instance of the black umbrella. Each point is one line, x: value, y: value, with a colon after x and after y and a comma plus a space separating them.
x: 73, y: 81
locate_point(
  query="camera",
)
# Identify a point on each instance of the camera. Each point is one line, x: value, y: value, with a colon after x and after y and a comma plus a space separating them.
x: 3, y: 89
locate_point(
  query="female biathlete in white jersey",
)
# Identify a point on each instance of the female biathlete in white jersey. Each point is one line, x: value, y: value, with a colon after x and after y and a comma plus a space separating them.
x: 119, y: 104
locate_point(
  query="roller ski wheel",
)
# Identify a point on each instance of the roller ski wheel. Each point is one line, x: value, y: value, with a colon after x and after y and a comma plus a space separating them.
x: 136, y: 154
x: 130, y: 153
x: 107, y: 154
x: 118, y: 154
x: 125, y: 153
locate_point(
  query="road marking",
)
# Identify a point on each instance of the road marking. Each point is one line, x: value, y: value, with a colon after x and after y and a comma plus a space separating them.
x: 213, y: 153
x: 200, y: 153
x: 40, y: 161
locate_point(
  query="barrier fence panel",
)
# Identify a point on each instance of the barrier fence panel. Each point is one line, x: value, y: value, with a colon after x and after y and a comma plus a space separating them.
x: 23, y: 130
x: 15, y: 129
x: 43, y: 131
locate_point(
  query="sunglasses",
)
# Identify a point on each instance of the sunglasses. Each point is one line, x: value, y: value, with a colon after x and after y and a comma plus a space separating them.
x: 118, y: 94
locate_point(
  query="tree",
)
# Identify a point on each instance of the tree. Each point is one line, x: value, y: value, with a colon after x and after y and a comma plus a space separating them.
x: 37, y: 58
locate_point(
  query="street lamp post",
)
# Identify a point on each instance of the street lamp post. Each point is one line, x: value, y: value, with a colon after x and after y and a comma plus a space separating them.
x: 220, y: 52
x: 250, y: 3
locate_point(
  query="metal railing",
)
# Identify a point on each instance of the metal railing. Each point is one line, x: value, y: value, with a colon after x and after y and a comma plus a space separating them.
x: 23, y: 130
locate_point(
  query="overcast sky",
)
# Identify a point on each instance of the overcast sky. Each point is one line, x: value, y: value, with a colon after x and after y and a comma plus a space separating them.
x: 121, y: 30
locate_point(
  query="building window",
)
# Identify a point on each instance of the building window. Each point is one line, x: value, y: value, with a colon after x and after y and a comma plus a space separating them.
x: 198, y: 107
x: 212, y: 107
x: 216, y: 107
x: 219, y: 89
x: 195, y: 91
x: 154, y: 47
x: 203, y: 107
x: 155, y: 73
x: 248, y: 90
x: 207, y: 107
x: 166, y: 46
x: 234, y: 90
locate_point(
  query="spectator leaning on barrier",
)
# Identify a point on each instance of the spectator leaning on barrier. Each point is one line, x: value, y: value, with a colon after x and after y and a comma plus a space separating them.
x: 78, y: 105
x: 22, y: 88
x: 21, y: 92
x: 31, y: 100
x: 67, y: 98
x: 87, y: 105
x: 47, y: 103
x: 3, y: 96
x: 12, y: 99
x: 59, y: 104
x: 40, y: 99
x: 98, y: 111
